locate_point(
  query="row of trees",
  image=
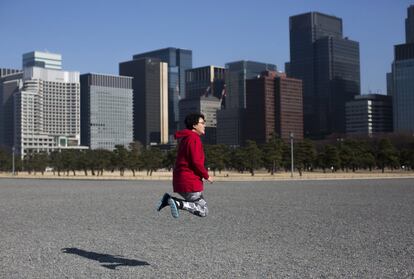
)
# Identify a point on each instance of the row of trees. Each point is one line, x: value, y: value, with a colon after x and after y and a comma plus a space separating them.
x: 345, y: 155
x: 275, y: 155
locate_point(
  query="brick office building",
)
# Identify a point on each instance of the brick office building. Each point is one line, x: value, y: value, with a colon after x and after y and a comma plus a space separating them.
x: 273, y: 106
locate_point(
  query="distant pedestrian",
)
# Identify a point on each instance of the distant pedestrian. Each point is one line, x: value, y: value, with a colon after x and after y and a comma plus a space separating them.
x: 189, y: 170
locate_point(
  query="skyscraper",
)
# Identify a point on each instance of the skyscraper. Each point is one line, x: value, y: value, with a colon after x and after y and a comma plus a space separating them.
x: 231, y: 119
x: 289, y: 107
x: 409, y: 25
x: 47, y: 111
x: 178, y: 60
x: 401, y: 80
x: 403, y: 88
x: 106, y: 111
x: 150, y: 98
x: 273, y: 107
x: 10, y: 83
x: 328, y: 65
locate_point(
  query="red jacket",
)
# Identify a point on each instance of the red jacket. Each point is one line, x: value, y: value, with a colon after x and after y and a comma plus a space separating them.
x: 189, y: 167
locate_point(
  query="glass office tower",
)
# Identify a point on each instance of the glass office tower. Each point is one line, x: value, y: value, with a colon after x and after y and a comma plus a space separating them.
x: 409, y: 25
x: 328, y: 65
x: 178, y: 60
x: 150, y: 98
x: 401, y: 82
x: 230, y: 120
x: 106, y: 111
x: 10, y: 84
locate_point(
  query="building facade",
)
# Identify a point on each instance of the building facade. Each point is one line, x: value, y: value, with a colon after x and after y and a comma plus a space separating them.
x: 44, y: 60
x: 409, y: 25
x: 47, y: 111
x: 178, y: 60
x: 230, y: 126
x: 329, y: 67
x: 6, y: 72
x: 208, y: 106
x: 289, y: 107
x: 230, y: 121
x: 273, y: 107
x: 150, y: 99
x: 204, y: 93
x: 369, y: 114
x: 205, y: 81
x: 106, y: 111
x: 10, y: 84
x: 236, y: 75
x: 401, y: 80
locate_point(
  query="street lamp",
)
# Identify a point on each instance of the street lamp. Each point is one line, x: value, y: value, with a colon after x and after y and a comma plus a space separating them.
x: 13, y: 149
x: 291, y: 154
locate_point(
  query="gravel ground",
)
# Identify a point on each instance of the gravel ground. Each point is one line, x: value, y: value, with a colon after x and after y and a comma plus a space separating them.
x: 286, y: 229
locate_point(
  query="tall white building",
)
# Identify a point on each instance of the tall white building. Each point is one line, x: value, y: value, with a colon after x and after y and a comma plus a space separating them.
x: 47, y: 111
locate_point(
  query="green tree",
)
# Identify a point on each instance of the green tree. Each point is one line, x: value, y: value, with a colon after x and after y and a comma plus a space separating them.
x: 40, y: 162
x: 120, y: 158
x: 253, y: 156
x: 305, y: 155
x: 103, y: 159
x: 28, y: 162
x: 329, y: 158
x: 215, y: 157
x: 387, y: 155
x: 5, y: 160
x: 56, y: 162
x: 286, y: 156
x: 407, y: 158
x: 86, y: 160
x: 70, y: 158
x: 134, y: 162
x: 272, y: 154
x: 406, y: 155
x: 347, y: 152
x: 169, y: 159
x: 238, y: 159
x: 152, y: 159
x: 364, y: 155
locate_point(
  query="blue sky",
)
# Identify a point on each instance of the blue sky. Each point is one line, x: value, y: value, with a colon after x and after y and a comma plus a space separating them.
x: 94, y: 36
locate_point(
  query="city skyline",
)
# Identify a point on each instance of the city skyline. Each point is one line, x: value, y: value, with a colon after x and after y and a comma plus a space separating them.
x: 96, y: 37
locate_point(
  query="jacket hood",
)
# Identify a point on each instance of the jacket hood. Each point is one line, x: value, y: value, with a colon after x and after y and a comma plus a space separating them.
x: 183, y: 133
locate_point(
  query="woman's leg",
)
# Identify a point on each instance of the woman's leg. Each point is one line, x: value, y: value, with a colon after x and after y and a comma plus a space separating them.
x: 194, y: 203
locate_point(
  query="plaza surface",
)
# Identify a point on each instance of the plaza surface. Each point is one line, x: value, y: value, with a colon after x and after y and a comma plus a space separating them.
x: 269, y: 229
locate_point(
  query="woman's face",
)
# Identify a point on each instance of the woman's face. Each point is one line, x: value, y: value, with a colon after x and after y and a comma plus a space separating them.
x: 199, y: 128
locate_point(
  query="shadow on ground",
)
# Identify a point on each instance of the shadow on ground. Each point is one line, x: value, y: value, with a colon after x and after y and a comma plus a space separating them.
x: 109, y: 261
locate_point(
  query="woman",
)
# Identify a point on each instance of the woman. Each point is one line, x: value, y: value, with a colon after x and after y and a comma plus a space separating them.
x: 189, y: 170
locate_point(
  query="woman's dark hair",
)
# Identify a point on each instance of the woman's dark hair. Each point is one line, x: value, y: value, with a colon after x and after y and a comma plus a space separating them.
x: 192, y: 119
